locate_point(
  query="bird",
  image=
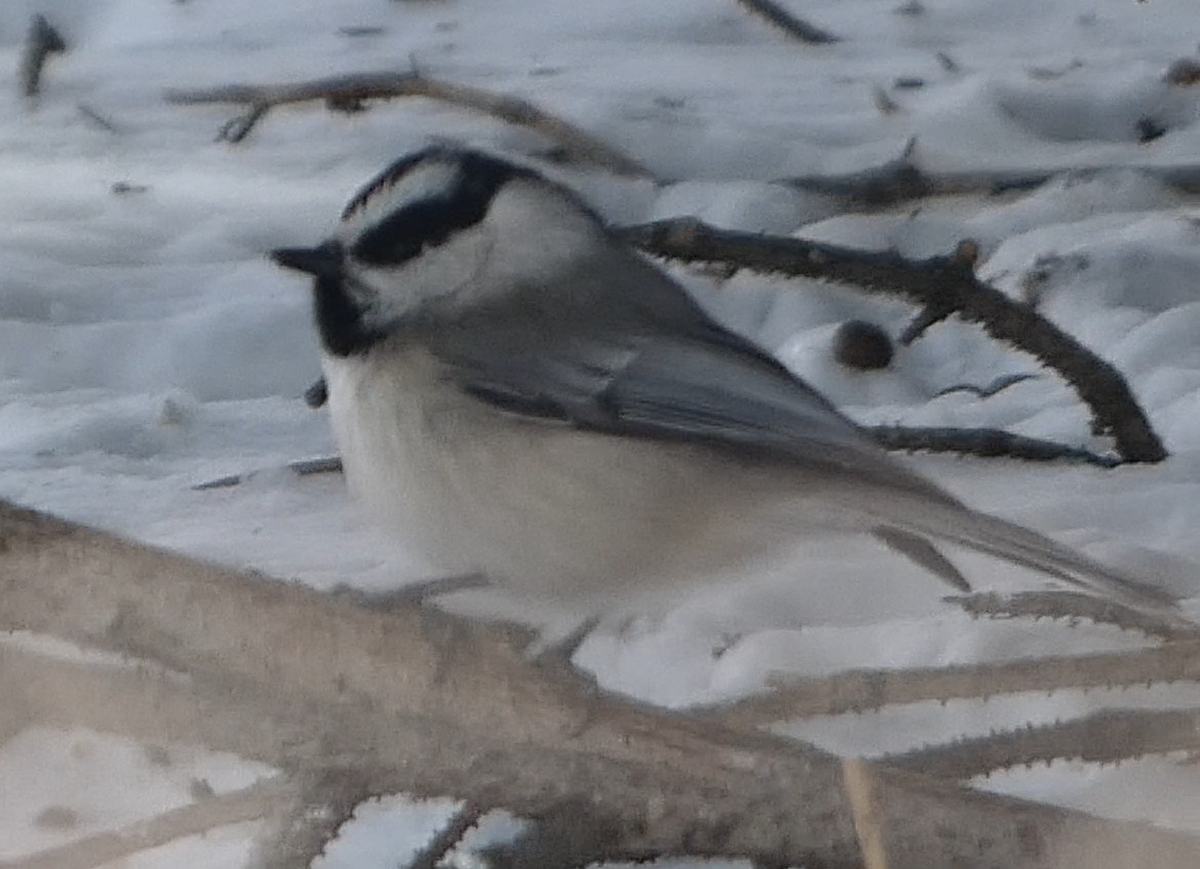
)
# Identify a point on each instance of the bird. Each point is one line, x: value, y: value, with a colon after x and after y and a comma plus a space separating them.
x: 519, y: 394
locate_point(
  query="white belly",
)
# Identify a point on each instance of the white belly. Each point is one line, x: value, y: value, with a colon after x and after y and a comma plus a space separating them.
x: 584, y: 521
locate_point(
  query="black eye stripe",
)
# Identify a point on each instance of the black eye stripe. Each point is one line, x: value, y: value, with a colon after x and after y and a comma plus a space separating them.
x: 405, y: 233
x: 428, y: 223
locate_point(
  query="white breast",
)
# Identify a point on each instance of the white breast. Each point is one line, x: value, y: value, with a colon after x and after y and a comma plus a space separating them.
x: 585, y: 522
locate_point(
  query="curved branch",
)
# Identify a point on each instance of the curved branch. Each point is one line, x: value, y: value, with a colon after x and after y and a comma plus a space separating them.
x: 797, y: 28
x: 943, y: 284
x: 348, y: 92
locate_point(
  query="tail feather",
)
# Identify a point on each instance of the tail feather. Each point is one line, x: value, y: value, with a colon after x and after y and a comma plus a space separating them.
x: 952, y: 522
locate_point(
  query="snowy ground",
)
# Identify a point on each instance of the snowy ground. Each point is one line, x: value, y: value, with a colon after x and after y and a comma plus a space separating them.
x: 146, y: 344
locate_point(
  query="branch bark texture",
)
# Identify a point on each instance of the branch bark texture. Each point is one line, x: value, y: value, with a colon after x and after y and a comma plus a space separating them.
x: 943, y: 285
x: 421, y: 702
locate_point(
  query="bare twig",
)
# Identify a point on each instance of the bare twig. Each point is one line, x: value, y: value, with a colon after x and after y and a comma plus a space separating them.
x: 902, y: 180
x: 250, y: 804
x: 986, y: 442
x: 350, y: 91
x: 884, y: 101
x: 447, y: 838
x: 947, y: 283
x: 94, y: 116
x: 797, y: 28
x: 237, y: 128
x: 1071, y: 605
x: 864, y: 690
x: 1108, y: 736
x: 948, y: 63
x: 428, y: 704
x: 995, y: 387
x: 41, y: 41
x: 301, y: 468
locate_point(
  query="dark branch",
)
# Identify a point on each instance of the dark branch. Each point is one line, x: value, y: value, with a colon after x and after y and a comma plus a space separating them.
x: 446, y: 839
x: 985, y: 442
x: 42, y: 40
x: 902, y: 180
x: 797, y: 28
x: 940, y: 282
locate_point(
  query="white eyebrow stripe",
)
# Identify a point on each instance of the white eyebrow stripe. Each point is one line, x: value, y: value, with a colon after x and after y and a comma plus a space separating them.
x: 430, y: 179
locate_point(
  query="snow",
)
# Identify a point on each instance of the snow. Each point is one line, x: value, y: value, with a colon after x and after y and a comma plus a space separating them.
x: 147, y: 345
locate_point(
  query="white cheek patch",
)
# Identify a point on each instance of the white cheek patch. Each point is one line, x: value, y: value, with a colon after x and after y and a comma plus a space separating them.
x: 431, y: 179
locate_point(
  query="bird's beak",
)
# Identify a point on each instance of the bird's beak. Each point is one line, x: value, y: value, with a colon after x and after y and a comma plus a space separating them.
x: 323, y: 261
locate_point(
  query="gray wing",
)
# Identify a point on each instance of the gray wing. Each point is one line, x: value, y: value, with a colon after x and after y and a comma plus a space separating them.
x: 652, y: 364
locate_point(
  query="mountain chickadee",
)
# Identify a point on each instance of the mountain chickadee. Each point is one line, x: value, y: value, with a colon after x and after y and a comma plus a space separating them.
x: 520, y: 394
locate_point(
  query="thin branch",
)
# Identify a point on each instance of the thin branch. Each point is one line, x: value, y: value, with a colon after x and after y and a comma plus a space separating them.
x: 429, y: 704
x: 1108, y: 736
x: 41, y: 41
x: 985, y: 442
x: 300, y: 467
x: 943, y: 282
x: 901, y: 180
x: 348, y: 92
x: 865, y: 690
x: 1070, y: 605
x: 99, y: 120
x: 447, y: 838
x: 795, y: 27
x: 237, y: 128
x: 994, y: 388
x: 237, y: 807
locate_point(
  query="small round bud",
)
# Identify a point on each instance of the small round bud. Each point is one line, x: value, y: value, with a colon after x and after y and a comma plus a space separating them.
x: 1183, y: 72
x: 862, y: 345
x: 317, y: 394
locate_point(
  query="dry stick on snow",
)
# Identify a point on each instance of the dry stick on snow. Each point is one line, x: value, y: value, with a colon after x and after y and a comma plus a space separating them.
x: 945, y: 285
x: 447, y: 838
x: 249, y: 804
x: 93, y: 116
x: 985, y: 442
x: 1072, y: 605
x: 421, y: 702
x: 797, y: 28
x: 902, y: 180
x: 300, y: 467
x: 1108, y: 736
x: 994, y: 388
x: 866, y: 690
x: 349, y: 92
x: 41, y: 41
